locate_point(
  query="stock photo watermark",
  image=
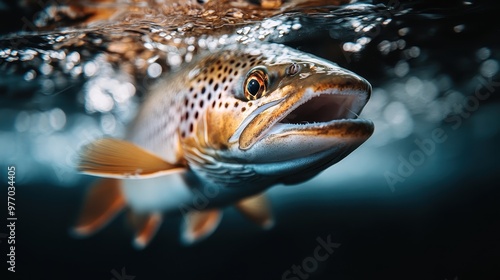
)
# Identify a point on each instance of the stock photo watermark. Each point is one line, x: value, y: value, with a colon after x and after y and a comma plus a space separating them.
x: 425, y: 148
x: 11, y: 218
x: 310, y: 264
x: 122, y: 275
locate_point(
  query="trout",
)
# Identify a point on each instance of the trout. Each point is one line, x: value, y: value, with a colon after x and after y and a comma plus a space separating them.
x: 219, y: 132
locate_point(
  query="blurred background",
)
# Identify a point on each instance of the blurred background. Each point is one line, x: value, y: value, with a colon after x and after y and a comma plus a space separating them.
x: 418, y: 200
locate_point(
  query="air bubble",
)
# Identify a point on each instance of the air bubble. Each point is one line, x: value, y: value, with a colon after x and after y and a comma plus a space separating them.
x: 154, y: 70
x: 489, y: 68
x: 483, y: 53
x: 57, y: 118
x: 401, y: 69
x: 414, y: 52
x: 403, y: 31
x: 30, y: 75
x: 459, y: 28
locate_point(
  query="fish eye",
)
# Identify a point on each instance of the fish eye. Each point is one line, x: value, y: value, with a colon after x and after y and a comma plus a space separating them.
x: 255, y: 84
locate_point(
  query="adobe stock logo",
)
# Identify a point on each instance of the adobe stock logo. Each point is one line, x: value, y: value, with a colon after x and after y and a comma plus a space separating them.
x: 121, y: 276
x: 310, y: 264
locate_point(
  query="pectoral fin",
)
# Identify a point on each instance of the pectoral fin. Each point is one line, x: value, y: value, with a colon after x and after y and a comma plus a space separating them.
x: 200, y: 224
x: 257, y: 209
x: 113, y: 158
x: 103, y: 202
x: 146, y: 226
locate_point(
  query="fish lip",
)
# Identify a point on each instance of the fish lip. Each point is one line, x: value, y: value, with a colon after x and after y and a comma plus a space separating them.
x: 353, y: 129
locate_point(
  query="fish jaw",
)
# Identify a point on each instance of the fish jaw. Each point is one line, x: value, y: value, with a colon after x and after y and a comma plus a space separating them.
x: 309, y: 118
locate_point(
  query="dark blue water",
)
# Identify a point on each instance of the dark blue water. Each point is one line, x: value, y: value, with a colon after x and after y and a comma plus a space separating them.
x: 419, y: 200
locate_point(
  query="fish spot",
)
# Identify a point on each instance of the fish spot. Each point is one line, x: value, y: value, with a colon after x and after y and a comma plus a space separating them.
x: 196, y: 115
x: 191, y: 127
x: 219, y: 76
x: 220, y: 67
x: 232, y: 61
x: 183, y: 134
x: 220, y: 104
x: 225, y: 69
x: 243, y: 109
x: 191, y: 89
x: 224, y: 80
x: 216, y: 87
x: 192, y: 105
x: 201, y: 103
x: 237, y: 64
x: 236, y: 73
x: 186, y: 115
x: 213, y: 104
x: 249, y: 104
x: 220, y: 95
x: 186, y: 101
x: 226, y: 105
x: 203, y: 90
x: 209, y: 96
x: 226, y: 87
x: 195, y: 95
x: 230, y: 71
x: 211, y: 81
x: 244, y: 65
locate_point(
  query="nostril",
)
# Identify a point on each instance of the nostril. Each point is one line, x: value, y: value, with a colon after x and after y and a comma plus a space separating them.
x: 293, y: 69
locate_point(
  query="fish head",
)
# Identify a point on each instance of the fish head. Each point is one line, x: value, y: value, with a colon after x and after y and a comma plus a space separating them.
x: 282, y: 114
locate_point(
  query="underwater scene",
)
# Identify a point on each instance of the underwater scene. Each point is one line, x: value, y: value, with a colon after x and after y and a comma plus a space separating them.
x: 249, y: 139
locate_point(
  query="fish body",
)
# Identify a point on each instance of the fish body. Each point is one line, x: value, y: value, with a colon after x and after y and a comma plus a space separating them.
x: 226, y: 127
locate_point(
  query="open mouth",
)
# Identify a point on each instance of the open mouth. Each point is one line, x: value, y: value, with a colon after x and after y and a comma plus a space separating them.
x: 325, y: 108
x: 323, y: 115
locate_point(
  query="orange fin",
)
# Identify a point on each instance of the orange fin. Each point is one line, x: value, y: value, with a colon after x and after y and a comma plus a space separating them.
x: 146, y: 226
x: 257, y: 209
x: 103, y: 202
x: 200, y: 224
x: 113, y: 158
